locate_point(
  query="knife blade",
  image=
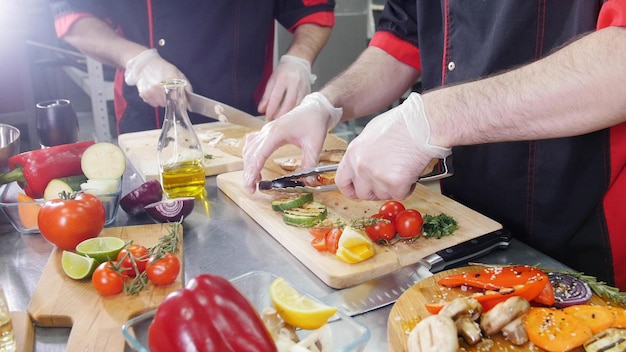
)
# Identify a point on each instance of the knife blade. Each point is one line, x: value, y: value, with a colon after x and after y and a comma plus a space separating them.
x: 380, y: 292
x: 214, y: 109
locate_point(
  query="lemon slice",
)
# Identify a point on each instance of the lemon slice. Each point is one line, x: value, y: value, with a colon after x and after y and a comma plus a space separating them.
x: 101, y: 249
x: 354, y: 246
x: 76, y: 266
x: 296, y: 309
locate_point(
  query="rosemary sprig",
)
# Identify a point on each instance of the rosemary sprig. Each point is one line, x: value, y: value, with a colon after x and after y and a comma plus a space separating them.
x: 601, y: 288
x: 167, y: 244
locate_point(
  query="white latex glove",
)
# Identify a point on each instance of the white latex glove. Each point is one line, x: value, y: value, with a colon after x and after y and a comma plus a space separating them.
x: 289, y: 83
x: 147, y: 70
x: 387, y: 158
x: 306, y: 126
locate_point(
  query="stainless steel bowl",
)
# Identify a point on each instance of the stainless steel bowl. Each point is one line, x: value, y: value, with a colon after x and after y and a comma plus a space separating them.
x: 9, y: 144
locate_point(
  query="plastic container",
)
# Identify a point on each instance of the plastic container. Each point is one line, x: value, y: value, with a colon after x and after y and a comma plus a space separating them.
x: 348, y: 334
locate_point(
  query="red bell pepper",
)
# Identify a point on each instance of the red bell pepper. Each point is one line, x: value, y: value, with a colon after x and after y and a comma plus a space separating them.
x: 500, y: 283
x: 209, y: 314
x: 34, y: 169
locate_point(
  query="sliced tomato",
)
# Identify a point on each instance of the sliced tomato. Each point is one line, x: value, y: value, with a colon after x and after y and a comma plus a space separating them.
x: 332, y: 239
x: 319, y: 243
x: 320, y: 231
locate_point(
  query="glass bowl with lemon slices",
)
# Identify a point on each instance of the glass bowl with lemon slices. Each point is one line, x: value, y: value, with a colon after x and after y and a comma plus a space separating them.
x: 311, y: 318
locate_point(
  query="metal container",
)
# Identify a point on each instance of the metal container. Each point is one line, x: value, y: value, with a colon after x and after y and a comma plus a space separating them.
x: 9, y: 144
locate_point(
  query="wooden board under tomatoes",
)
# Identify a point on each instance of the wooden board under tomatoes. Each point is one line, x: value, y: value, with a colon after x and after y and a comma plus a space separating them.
x: 326, y: 266
x: 96, y: 320
x: 413, y: 305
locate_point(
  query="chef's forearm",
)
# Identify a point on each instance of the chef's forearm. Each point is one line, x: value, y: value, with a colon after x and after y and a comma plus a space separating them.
x: 308, y: 41
x: 576, y: 90
x: 374, y: 81
x: 96, y: 39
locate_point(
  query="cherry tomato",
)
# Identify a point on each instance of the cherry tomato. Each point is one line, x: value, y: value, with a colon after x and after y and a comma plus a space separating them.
x: 133, y: 253
x: 391, y: 209
x: 332, y: 239
x: 409, y: 223
x: 381, y: 230
x: 67, y: 222
x: 106, y: 280
x: 163, y: 271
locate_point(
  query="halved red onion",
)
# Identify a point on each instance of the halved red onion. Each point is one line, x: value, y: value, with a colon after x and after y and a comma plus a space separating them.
x: 569, y: 290
x: 171, y: 209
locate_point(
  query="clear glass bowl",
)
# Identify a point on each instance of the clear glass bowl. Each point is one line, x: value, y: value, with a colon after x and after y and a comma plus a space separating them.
x: 26, y: 223
x: 348, y: 335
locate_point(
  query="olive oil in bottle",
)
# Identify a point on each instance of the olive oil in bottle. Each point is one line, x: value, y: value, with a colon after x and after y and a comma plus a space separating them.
x: 180, y: 155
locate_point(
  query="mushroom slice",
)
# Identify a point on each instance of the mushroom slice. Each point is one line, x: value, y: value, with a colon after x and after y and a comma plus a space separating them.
x: 506, y: 317
x: 465, y: 311
x: 437, y: 333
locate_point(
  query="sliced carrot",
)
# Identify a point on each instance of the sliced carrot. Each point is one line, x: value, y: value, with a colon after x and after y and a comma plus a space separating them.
x: 619, y: 315
x: 433, y: 308
x: 555, y: 330
x: 598, y: 318
x: 28, y: 212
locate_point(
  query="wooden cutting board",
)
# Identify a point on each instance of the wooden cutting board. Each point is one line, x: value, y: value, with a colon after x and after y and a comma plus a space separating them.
x: 409, y: 310
x: 223, y: 141
x: 96, y: 321
x: 141, y: 148
x: 326, y: 266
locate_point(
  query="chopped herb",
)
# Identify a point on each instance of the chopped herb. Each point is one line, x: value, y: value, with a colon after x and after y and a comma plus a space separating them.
x: 437, y: 226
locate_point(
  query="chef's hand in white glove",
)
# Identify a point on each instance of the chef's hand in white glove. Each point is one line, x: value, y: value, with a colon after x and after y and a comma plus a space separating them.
x: 147, y: 70
x: 289, y: 83
x: 387, y: 158
x: 306, y: 126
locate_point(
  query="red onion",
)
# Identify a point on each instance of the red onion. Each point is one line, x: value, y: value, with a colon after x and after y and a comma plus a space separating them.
x: 569, y: 290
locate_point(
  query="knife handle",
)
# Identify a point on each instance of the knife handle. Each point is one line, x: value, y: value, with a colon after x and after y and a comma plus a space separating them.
x: 467, y: 250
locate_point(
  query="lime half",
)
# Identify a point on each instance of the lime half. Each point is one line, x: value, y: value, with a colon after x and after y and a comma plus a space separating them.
x: 101, y: 249
x: 76, y: 266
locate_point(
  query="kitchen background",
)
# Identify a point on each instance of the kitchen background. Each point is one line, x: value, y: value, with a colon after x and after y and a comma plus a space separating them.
x: 36, y: 66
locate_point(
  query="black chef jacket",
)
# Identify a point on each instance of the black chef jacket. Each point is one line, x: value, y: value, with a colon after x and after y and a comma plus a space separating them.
x: 224, y: 48
x: 562, y: 196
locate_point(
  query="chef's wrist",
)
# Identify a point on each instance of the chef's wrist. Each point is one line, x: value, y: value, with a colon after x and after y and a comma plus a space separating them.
x: 302, y: 63
x: 416, y: 119
x: 137, y: 63
x: 333, y: 114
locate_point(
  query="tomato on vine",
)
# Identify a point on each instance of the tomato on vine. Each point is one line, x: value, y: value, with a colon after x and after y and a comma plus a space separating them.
x: 409, y: 223
x: 163, y: 270
x: 390, y: 209
x: 134, y: 253
x: 107, y: 280
x: 381, y: 229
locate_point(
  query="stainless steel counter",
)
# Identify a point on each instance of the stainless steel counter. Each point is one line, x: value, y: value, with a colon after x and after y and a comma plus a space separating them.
x: 219, y: 238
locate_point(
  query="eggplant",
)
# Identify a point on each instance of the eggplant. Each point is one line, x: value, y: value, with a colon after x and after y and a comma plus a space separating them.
x: 171, y: 210
x: 135, y: 201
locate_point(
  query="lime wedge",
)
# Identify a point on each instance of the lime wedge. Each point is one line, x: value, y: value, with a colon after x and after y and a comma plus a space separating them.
x: 101, y: 249
x: 298, y: 309
x: 76, y: 266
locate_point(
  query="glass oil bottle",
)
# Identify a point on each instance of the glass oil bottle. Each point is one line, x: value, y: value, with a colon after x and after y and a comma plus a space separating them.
x: 180, y: 154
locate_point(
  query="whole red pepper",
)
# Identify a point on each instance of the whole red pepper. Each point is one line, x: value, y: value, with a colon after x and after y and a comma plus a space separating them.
x: 34, y: 169
x: 209, y: 314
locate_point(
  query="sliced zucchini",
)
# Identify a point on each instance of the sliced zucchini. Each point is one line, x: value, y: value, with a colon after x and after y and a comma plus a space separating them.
x: 293, y: 201
x: 305, y: 216
x: 68, y: 184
